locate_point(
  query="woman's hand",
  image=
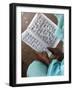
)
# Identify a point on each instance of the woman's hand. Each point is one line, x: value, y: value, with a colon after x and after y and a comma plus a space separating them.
x: 43, y: 57
x: 59, y: 55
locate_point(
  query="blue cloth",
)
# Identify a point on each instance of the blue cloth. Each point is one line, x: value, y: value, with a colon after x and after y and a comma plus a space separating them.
x: 60, y: 19
x: 56, y: 68
x: 37, y: 68
x: 60, y: 29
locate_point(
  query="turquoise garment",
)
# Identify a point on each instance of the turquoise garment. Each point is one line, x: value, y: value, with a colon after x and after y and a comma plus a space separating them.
x: 56, y: 68
x: 37, y: 68
x: 60, y: 18
x: 60, y: 29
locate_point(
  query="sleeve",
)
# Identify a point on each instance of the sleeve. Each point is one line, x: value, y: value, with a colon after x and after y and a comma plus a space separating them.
x: 55, y: 68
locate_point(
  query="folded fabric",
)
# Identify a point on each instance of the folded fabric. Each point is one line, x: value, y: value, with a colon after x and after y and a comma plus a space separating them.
x: 37, y: 68
x: 56, y: 68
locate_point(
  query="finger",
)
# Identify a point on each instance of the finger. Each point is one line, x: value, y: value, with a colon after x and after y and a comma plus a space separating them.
x: 53, y: 50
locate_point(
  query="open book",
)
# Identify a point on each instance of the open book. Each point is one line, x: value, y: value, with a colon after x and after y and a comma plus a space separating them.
x: 40, y: 33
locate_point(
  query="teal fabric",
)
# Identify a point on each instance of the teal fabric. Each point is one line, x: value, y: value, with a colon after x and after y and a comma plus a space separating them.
x: 60, y: 29
x: 56, y: 68
x: 60, y: 18
x: 37, y: 68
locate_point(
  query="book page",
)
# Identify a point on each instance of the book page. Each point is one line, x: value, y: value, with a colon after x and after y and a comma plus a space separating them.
x: 40, y: 33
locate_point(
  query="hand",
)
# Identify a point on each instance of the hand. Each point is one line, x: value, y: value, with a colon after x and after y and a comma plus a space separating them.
x: 43, y: 57
x: 57, y: 53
